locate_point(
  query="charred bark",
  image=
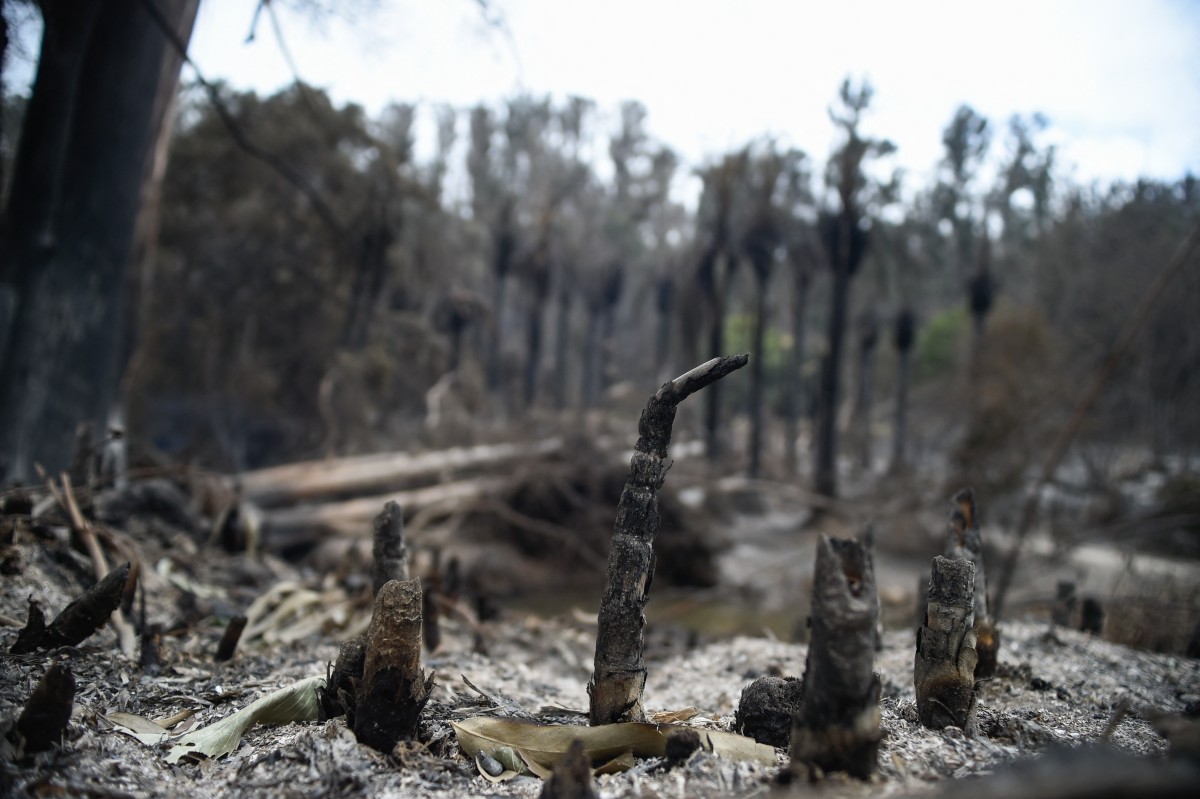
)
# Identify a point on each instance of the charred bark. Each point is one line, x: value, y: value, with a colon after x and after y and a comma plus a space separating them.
x: 615, y: 690
x: 795, y: 372
x: 229, y: 639
x: 944, y: 669
x: 838, y: 725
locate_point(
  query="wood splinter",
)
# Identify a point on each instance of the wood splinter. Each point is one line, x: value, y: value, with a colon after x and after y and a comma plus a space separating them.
x: 966, y: 541
x: 615, y: 690
x: 837, y: 728
x: 944, y: 669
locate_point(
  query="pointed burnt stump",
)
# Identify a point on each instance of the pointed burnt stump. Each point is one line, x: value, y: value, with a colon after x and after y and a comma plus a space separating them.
x: 944, y: 669
x: 44, y: 718
x: 967, y: 542
x: 837, y: 728
x: 393, y: 690
x: 615, y: 690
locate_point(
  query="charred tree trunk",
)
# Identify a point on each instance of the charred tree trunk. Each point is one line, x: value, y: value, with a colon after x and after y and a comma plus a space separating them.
x: 389, y: 555
x: 905, y: 337
x: 825, y: 474
x: 665, y: 305
x: 944, y: 669
x: 615, y: 690
x: 393, y: 690
x: 562, y: 341
x: 762, y: 275
x: 868, y: 338
x: 838, y: 725
x: 795, y: 370
x: 66, y: 245
x: 591, y: 356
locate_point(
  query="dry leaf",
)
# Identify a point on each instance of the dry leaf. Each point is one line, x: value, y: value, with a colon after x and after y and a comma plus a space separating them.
x: 674, y: 716
x: 296, y: 702
x: 148, y: 732
x: 542, y: 745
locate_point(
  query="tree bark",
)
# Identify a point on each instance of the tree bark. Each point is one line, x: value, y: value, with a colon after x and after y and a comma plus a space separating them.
x: 68, y: 242
x: 615, y: 690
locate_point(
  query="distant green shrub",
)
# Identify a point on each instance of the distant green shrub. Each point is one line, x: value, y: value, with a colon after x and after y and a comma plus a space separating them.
x: 939, y: 342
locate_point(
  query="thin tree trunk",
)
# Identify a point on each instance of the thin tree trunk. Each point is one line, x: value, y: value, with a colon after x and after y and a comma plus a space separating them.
x: 825, y: 476
x: 665, y: 304
x: 533, y: 351
x: 762, y: 277
x: 591, y: 358
x: 795, y: 373
x: 562, y: 335
x: 900, y: 433
x: 712, y: 410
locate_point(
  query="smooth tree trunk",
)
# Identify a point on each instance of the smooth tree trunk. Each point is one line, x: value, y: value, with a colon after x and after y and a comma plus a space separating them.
x: 68, y: 243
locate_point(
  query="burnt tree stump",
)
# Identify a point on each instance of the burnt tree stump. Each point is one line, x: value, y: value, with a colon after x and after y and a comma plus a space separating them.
x: 393, y: 690
x: 615, y: 690
x: 837, y: 728
x: 389, y: 554
x: 944, y: 668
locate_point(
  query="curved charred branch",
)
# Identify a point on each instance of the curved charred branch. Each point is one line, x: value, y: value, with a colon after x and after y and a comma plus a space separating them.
x: 944, y: 669
x: 966, y: 542
x: 838, y: 725
x: 615, y: 690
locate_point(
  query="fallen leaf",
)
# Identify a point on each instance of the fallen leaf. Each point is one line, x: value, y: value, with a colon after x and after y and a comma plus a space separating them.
x: 612, y: 745
x: 674, y: 716
x: 296, y: 702
x: 148, y: 732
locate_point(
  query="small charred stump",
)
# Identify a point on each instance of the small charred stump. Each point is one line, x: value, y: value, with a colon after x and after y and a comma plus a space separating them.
x: 44, y: 718
x: 572, y: 776
x: 837, y: 728
x: 966, y: 542
x: 393, y: 690
x: 78, y: 620
x: 615, y: 690
x: 768, y: 708
x: 227, y: 646
x: 944, y: 669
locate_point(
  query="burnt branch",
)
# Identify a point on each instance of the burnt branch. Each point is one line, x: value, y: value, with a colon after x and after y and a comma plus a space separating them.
x: 78, y: 620
x: 615, y: 690
x: 837, y: 728
x: 944, y: 669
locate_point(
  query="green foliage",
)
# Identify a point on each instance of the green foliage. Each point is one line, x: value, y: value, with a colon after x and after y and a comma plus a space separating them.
x: 939, y: 344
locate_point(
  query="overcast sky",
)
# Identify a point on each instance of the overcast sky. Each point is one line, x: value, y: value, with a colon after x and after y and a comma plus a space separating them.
x: 1118, y: 79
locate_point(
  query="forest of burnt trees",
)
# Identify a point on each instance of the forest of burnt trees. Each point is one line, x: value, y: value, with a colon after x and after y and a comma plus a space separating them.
x: 305, y: 283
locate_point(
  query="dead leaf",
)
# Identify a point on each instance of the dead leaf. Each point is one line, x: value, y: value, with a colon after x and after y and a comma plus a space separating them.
x: 674, y: 716
x: 541, y: 746
x: 296, y: 702
x: 148, y: 732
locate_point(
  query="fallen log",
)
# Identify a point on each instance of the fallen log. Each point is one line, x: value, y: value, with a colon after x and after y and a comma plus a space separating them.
x: 307, y: 525
x: 313, y: 481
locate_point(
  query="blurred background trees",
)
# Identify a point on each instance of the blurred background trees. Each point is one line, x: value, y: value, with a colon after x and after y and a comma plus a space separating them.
x: 545, y: 256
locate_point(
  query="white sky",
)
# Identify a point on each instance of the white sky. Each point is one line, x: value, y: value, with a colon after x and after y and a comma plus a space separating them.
x: 1118, y: 79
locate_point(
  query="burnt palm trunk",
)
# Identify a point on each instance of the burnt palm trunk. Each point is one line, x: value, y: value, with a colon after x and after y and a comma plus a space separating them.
x: 906, y: 323
x: 562, y: 333
x: 825, y: 476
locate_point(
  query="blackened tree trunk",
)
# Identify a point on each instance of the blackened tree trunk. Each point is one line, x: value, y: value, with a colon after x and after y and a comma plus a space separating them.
x: 795, y: 371
x: 562, y: 338
x: 825, y: 474
x: 762, y: 275
x: 67, y: 242
x: 665, y: 305
x: 868, y: 338
x: 905, y: 337
x: 591, y: 354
